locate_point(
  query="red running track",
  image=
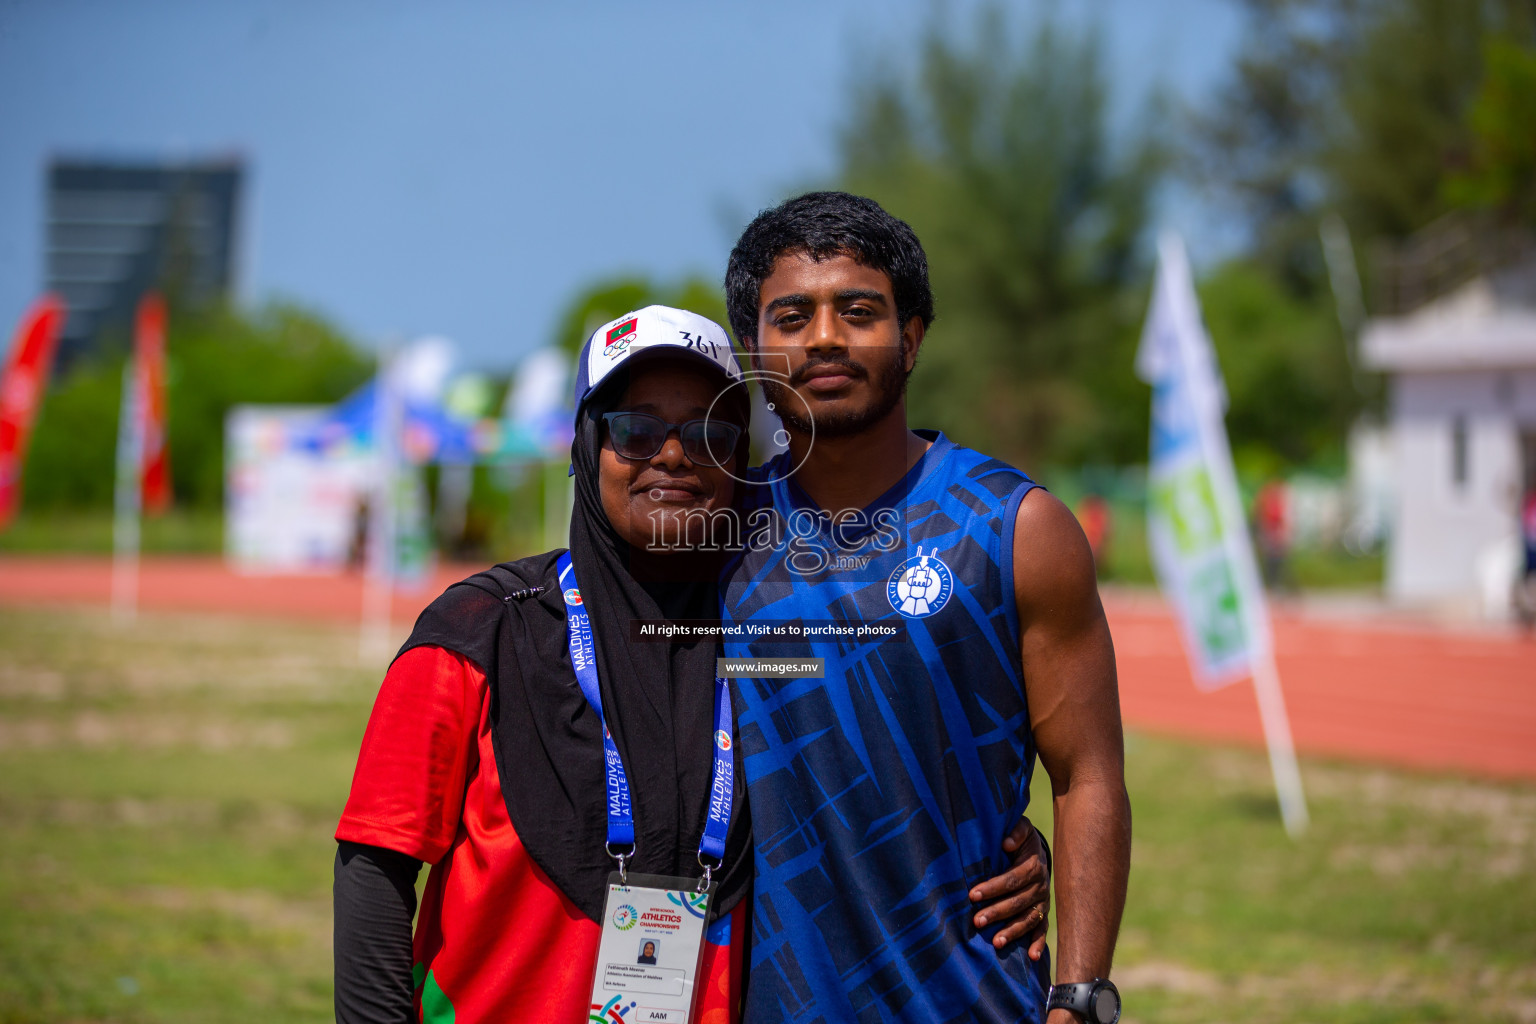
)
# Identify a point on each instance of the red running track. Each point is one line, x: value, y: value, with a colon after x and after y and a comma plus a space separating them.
x: 1414, y: 695
x: 1405, y: 694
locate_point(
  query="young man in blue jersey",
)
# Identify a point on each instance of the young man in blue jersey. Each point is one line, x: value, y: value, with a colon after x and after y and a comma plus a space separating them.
x: 882, y: 790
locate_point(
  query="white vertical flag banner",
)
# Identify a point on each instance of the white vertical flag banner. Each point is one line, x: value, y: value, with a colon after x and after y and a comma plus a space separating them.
x: 1196, y: 530
x: 381, y: 558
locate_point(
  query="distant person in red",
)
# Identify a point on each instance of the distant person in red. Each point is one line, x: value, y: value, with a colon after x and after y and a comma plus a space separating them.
x: 1272, y: 521
x: 1093, y: 515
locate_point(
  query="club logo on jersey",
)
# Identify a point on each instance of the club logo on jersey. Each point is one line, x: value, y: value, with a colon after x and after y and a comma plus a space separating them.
x: 722, y: 739
x: 625, y: 918
x: 616, y: 341
x: 920, y: 586
x: 573, y: 596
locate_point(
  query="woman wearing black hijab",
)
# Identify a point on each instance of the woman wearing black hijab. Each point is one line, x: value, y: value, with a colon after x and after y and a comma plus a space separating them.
x: 484, y: 758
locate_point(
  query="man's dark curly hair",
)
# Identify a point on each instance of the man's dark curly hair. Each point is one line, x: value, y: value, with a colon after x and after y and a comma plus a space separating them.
x: 823, y: 225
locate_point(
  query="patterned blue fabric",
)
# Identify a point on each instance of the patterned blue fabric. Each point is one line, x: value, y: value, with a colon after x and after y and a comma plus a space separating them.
x: 881, y: 793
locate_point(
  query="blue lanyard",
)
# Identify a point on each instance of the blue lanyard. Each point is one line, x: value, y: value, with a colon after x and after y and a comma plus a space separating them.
x: 621, y: 817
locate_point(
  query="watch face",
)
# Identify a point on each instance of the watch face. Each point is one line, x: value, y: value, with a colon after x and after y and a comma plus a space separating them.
x: 1106, y: 1006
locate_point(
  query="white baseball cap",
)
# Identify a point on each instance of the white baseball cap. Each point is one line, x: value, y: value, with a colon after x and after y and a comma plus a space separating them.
x: 653, y: 328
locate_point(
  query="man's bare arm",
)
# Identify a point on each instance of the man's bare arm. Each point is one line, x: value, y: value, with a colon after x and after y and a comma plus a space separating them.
x: 1074, y: 706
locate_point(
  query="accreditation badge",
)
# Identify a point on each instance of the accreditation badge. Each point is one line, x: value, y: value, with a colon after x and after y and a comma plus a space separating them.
x: 652, y: 946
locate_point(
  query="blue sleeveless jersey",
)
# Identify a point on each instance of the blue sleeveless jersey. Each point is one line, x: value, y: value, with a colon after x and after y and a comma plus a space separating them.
x: 882, y: 792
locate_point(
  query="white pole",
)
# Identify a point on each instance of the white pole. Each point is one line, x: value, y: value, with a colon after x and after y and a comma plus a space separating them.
x: 1282, y: 751
x: 378, y: 596
x: 1343, y: 278
x: 127, y: 498
x: 379, y: 574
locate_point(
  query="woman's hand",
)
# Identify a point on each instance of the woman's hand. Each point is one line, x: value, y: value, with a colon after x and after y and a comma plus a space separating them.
x: 1020, y: 896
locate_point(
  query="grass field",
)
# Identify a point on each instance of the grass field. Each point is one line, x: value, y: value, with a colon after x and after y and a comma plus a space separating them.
x: 89, y: 532
x: 168, y: 792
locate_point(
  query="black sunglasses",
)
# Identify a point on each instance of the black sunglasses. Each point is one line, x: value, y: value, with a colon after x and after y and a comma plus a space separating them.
x: 639, y: 435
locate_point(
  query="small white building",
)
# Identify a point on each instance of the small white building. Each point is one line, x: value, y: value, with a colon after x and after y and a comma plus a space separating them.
x: 1462, y: 425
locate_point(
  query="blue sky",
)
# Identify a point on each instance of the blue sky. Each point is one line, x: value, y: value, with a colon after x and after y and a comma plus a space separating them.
x: 463, y: 169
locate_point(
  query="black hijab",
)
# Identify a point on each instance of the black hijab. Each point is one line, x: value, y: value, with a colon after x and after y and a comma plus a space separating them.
x: 658, y: 698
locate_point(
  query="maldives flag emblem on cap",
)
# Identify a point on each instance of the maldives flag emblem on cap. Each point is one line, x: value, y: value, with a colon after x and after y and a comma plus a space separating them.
x: 618, y: 337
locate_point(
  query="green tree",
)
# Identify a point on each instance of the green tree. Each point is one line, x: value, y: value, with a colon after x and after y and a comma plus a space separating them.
x: 993, y: 146
x: 1406, y: 78
x: 1360, y: 106
x: 222, y: 358
x: 216, y: 358
x: 1501, y: 170
x: 1289, y: 390
x: 74, y: 443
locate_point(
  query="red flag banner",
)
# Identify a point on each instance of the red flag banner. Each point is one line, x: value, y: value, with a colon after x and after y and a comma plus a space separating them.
x: 149, y: 351
x: 21, y: 391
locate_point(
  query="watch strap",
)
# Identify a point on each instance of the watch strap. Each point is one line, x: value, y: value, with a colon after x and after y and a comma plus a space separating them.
x: 1081, y: 998
x: 1076, y: 997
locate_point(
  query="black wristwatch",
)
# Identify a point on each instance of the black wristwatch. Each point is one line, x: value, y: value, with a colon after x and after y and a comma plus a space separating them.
x: 1096, y: 1001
